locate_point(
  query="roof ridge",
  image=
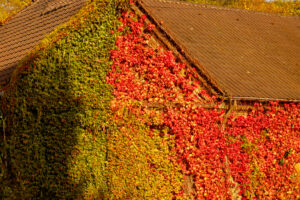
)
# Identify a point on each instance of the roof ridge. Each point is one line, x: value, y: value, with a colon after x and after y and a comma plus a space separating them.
x: 53, y: 5
x: 225, y: 8
x: 30, y: 26
x: 20, y: 12
x: 248, y: 59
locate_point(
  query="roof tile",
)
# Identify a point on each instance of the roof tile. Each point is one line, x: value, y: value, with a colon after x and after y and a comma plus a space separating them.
x: 22, y: 33
x: 247, y: 54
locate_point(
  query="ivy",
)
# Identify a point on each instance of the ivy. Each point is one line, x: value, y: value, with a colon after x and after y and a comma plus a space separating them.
x: 96, y: 113
x: 57, y: 108
x: 249, y: 157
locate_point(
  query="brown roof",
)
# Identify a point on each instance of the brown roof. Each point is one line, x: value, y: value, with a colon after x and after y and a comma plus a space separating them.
x: 248, y: 55
x: 19, y: 36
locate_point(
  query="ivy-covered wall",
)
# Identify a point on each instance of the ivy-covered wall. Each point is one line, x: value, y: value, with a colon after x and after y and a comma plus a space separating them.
x: 96, y: 113
x: 57, y: 110
x: 223, y: 155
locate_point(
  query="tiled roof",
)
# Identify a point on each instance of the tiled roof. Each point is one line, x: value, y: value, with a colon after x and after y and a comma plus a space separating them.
x: 22, y: 33
x: 248, y: 55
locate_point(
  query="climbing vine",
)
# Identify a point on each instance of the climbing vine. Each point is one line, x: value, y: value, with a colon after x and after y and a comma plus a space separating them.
x: 57, y: 109
x: 250, y: 156
x: 96, y: 112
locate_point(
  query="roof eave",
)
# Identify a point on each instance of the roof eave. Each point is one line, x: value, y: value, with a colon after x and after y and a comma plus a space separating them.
x: 165, y: 36
x: 170, y: 42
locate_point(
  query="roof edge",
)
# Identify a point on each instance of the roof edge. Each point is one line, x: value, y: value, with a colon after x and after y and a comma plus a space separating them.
x: 14, y: 14
x: 167, y: 35
x: 259, y: 99
x: 201, y: 71
x: 225, y: 8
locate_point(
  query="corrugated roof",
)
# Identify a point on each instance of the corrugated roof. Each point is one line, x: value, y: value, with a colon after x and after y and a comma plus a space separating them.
x: 247, y: 54
x: 22, y: 33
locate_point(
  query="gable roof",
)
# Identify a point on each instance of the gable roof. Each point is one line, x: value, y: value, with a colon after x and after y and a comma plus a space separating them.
x: 24, y: 31
x: 247, y: 55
